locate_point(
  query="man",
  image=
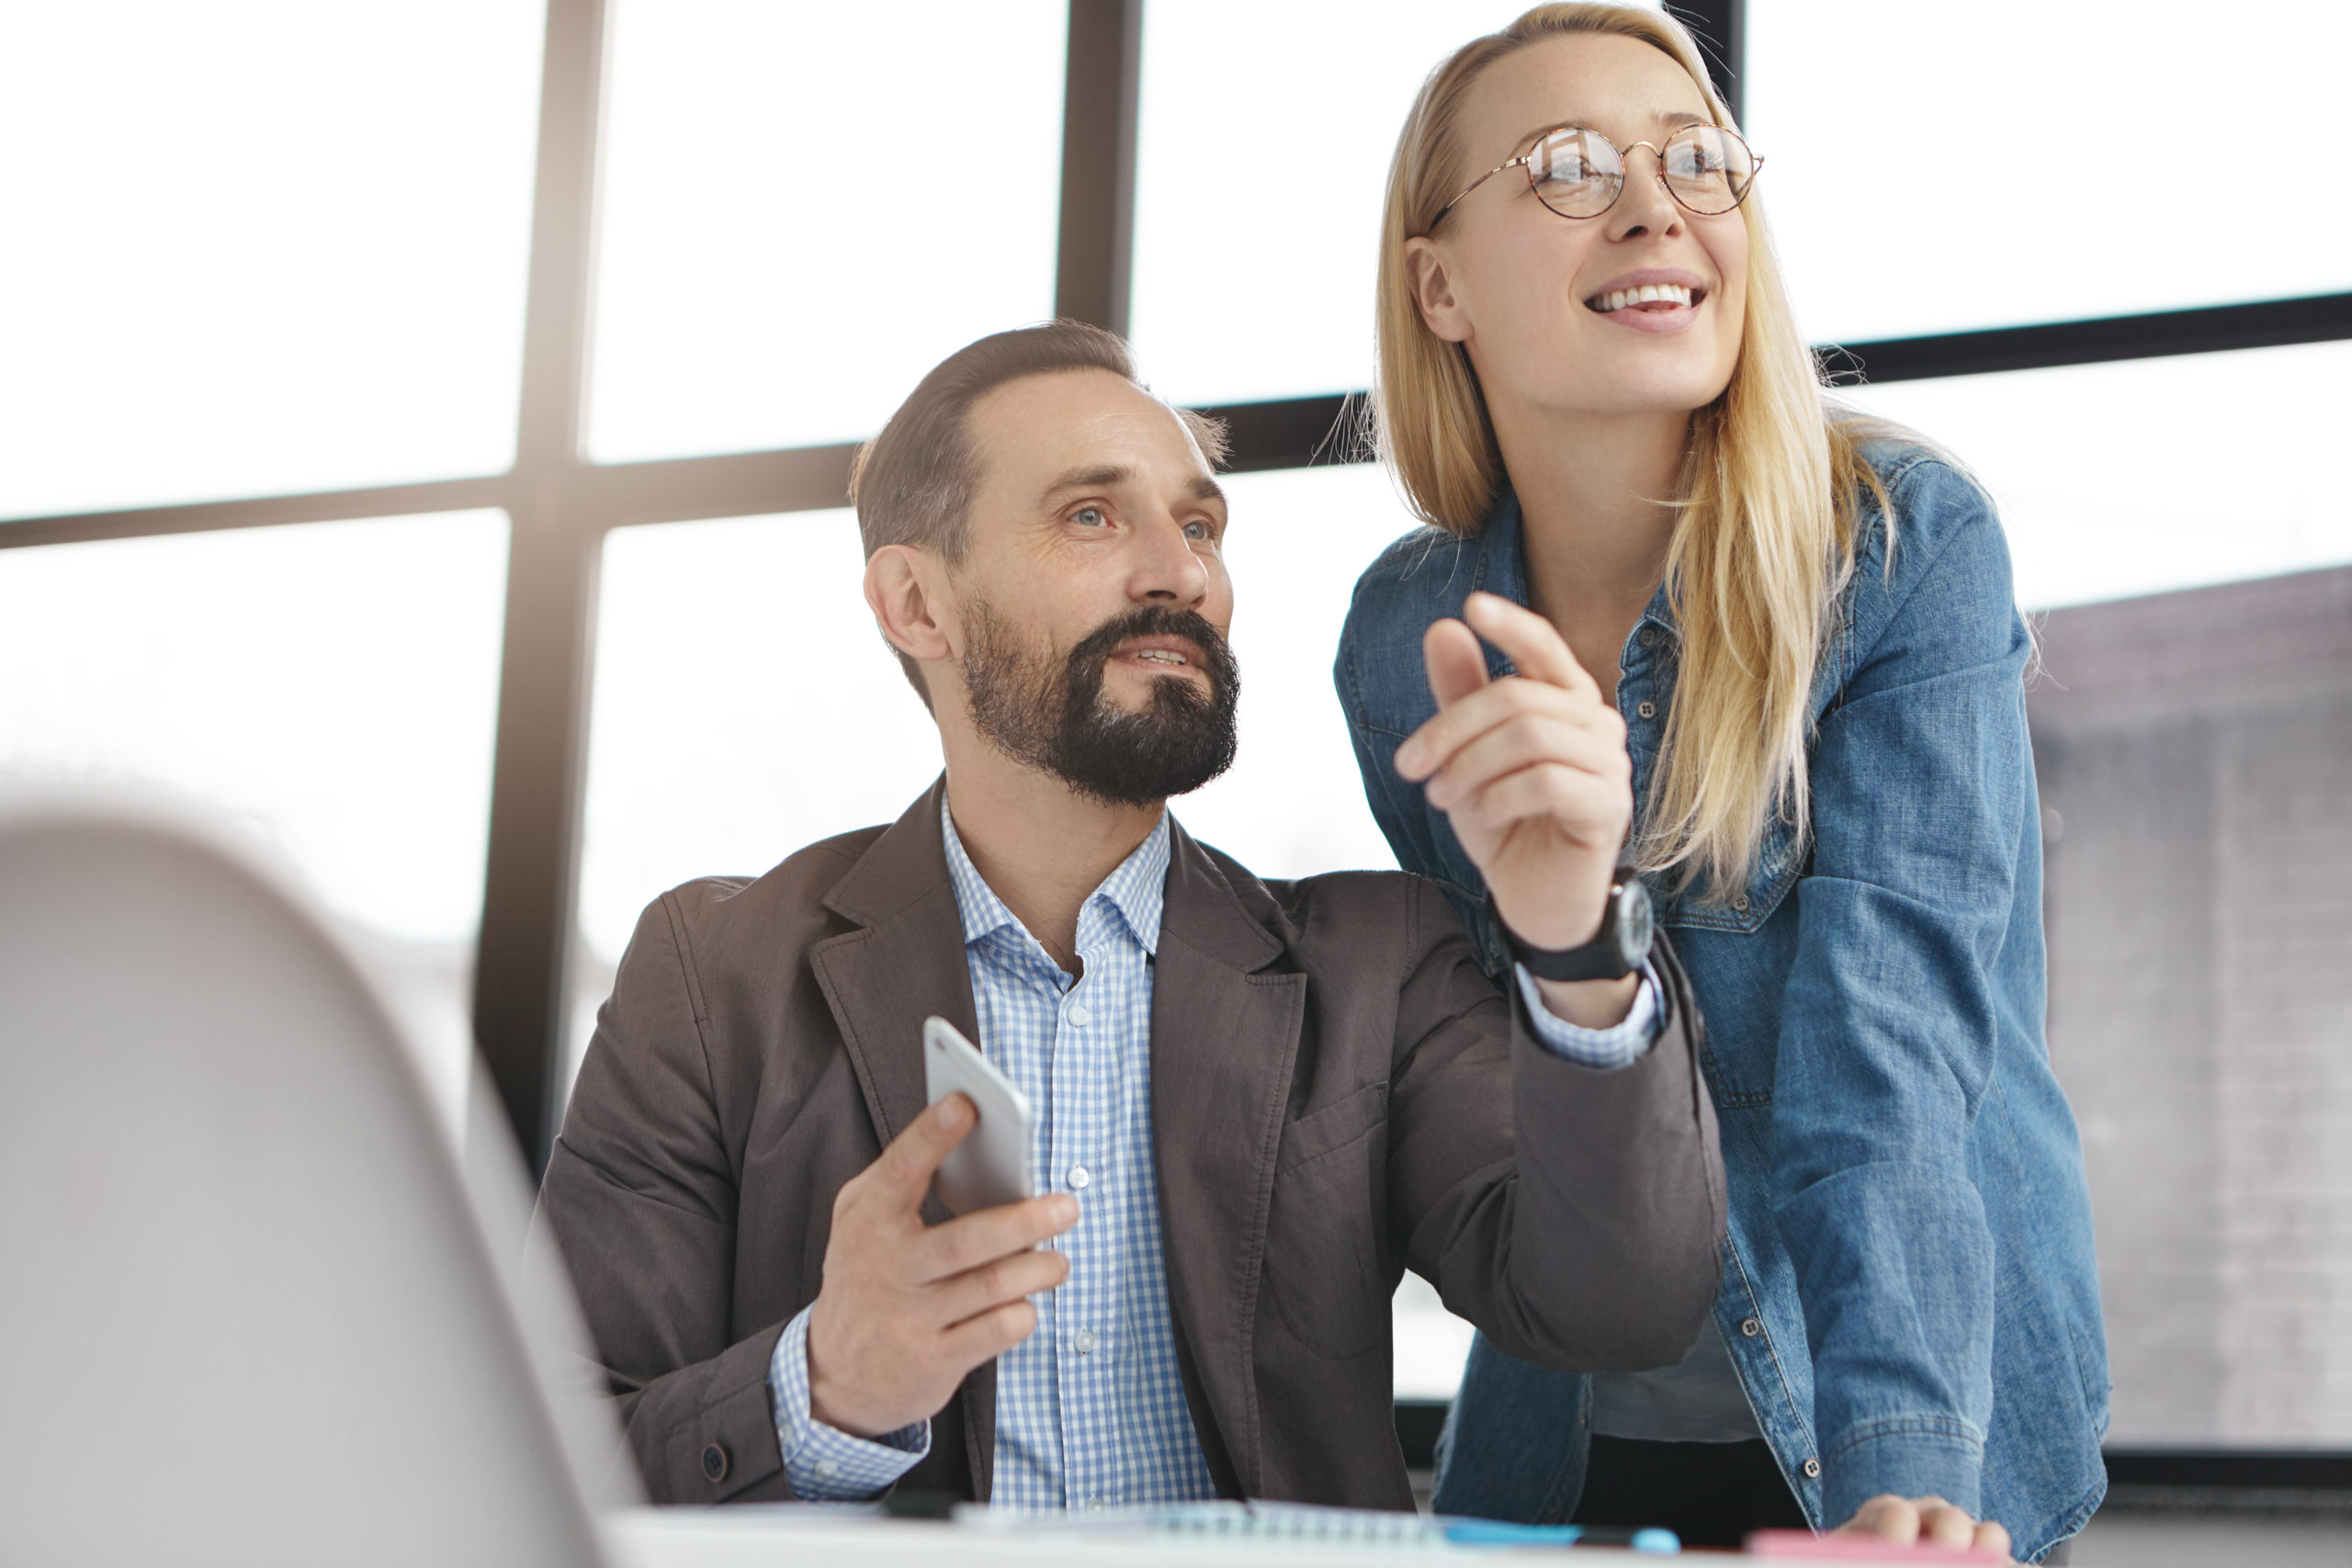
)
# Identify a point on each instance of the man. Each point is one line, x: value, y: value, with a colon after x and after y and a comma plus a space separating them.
x: 1254, y: 1104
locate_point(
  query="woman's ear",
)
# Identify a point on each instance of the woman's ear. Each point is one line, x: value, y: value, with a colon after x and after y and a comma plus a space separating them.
x: 904, y: 599
x: 1432, y: 285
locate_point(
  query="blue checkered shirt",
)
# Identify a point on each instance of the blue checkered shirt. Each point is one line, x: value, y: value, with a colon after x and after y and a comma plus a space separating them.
x: 1089, y: 1409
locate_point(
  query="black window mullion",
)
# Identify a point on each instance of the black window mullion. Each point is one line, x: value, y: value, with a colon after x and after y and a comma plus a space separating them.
x: 1721, y: 29
x: 535, y: 789
x: 1095, y: 260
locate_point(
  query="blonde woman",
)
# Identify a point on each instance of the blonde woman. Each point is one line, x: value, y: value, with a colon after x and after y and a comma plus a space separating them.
x: 1593, y: 389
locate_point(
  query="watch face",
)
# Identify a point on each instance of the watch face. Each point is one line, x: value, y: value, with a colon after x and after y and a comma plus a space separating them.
x: 1636, y: 922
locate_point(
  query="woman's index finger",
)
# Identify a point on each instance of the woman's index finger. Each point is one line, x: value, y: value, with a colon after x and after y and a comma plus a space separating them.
x: 1457, y: 668
x: 1457, y: 664
x: 1533, y: 643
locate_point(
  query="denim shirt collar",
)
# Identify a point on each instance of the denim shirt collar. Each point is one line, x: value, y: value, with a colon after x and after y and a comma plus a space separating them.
x: 1502, y: 568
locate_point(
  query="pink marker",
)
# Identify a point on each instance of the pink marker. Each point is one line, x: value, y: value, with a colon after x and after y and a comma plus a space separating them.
x: 1866, y: 1548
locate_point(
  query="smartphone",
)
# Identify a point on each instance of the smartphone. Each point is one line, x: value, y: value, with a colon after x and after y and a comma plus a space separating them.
x: 991, y: 1164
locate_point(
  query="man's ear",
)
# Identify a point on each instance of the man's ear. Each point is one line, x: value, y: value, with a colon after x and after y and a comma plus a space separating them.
x: 902, y: 589
x: 1432, y: 286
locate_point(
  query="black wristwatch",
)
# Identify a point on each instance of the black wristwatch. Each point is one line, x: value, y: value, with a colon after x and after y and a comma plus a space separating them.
x: 1617, y: 949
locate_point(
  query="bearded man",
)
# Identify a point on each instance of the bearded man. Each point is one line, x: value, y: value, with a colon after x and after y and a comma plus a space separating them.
x: 1255, y: 1103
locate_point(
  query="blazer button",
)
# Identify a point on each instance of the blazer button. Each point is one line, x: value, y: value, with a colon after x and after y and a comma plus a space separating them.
x: 714, y: 1462
x: 1751, y: 1327
x: 1813, y: 1469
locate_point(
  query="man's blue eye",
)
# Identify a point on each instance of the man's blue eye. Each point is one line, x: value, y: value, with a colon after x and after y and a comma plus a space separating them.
x: 1089, y: 515
x: 1196, y: 530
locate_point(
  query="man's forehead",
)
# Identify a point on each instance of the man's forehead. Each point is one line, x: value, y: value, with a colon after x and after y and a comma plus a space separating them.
x: 1118, y: 476
x: 1048, y: 433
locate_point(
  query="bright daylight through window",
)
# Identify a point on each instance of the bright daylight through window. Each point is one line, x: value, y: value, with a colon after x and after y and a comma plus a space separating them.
x: 806, y: 207
x: 261, y: 246
x: 329, y: 688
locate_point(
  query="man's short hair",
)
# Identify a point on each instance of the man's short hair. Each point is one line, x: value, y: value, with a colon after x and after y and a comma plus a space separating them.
x: 912, y: 484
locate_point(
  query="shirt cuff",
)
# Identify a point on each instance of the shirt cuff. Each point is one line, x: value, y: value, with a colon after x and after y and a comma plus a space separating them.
x: 1620, y: 1046
x: 824, y: 1463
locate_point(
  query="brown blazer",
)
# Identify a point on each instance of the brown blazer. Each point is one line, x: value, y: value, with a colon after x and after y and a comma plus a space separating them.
x: 1334, y: 1089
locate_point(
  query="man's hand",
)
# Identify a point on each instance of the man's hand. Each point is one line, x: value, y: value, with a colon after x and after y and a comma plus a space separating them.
x: 1533, y: 774
x: 907, y: 1309
x: 1928, y: 1521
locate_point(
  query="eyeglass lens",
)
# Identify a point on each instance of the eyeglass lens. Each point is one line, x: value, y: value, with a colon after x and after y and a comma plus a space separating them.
x: 1578, y: 173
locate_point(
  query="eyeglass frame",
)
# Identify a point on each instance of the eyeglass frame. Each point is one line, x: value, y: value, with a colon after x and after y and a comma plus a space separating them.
x: 1527, y: 160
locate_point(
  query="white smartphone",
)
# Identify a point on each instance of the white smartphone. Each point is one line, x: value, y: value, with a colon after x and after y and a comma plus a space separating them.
x: 991, y: 1164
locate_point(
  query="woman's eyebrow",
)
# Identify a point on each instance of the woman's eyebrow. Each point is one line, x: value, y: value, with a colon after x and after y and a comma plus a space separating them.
x: 1672, y: 119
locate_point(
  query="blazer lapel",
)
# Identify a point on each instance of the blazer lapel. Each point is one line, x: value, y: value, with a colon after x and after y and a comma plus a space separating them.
x: 1224, y: 1039
x: 882, y: 981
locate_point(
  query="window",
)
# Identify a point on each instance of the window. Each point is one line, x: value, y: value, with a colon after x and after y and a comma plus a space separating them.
x: 331, y: 688
x: 2036, y: 163
x: 2152, y: 475
x: 807, y: 207
x: 260, y: 247
x: 1259, y: 120
x: 713, y: 750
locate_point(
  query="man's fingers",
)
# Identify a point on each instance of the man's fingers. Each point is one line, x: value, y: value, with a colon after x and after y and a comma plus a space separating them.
x: 985, y: 1234
x: 1012, y: 1279
x: 906, y: 1167
x: 990, y: 1333
x: 1533, y: 643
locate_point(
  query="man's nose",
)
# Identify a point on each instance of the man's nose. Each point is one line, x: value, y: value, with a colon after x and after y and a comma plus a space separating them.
x: 1167, y: 570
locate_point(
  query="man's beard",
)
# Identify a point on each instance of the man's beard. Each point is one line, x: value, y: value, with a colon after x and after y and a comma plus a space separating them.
x: 1055, y: 719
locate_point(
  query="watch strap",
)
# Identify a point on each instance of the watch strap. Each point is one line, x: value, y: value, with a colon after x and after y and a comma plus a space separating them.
x: 1602, y: 958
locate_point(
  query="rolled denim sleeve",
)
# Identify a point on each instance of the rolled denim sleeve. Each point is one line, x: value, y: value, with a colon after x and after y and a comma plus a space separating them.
x: 1905, y: 961
x: 824, y: 1463
x: 1620, y: 1045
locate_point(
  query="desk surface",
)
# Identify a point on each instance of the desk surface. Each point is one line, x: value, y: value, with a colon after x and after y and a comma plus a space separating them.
x: 772, y: 1538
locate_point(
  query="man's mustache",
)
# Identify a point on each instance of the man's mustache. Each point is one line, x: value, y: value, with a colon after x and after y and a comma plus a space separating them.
x: 1096, y: 647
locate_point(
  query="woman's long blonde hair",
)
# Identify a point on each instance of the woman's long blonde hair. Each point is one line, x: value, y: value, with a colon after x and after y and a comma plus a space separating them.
x: 1764, y: 541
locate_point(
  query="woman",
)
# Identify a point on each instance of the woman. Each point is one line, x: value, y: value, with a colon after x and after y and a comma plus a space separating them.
x: 1592, y: 387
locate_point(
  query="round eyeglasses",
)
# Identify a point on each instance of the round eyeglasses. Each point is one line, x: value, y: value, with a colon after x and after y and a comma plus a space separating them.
x: 1578, y: 173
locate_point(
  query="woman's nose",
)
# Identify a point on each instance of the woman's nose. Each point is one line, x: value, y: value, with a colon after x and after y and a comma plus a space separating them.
x: 1644, y: 206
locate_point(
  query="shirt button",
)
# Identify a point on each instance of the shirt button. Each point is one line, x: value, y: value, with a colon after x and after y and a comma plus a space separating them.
x: 1740, y: 903
x: 1079, y: 1178
x: 1646, y: 709
x: 1649, y: 637
x: 1084, y: 1340
x: 828, y: 1467
x: 1751, y: 1327
x: 1080, y: 1015
x: 1813, y: 1469
x: 1094, y: 1505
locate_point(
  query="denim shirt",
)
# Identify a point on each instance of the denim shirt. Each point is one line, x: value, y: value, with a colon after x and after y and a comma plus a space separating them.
x: 1909, y: 1296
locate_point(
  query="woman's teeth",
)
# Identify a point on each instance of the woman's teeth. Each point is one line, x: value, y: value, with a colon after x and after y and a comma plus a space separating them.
x: 1647, y: 294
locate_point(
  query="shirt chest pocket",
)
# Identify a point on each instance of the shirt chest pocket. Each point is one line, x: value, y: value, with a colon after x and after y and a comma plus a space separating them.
x: 1323, y: 1271
x: 1780, y: 861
